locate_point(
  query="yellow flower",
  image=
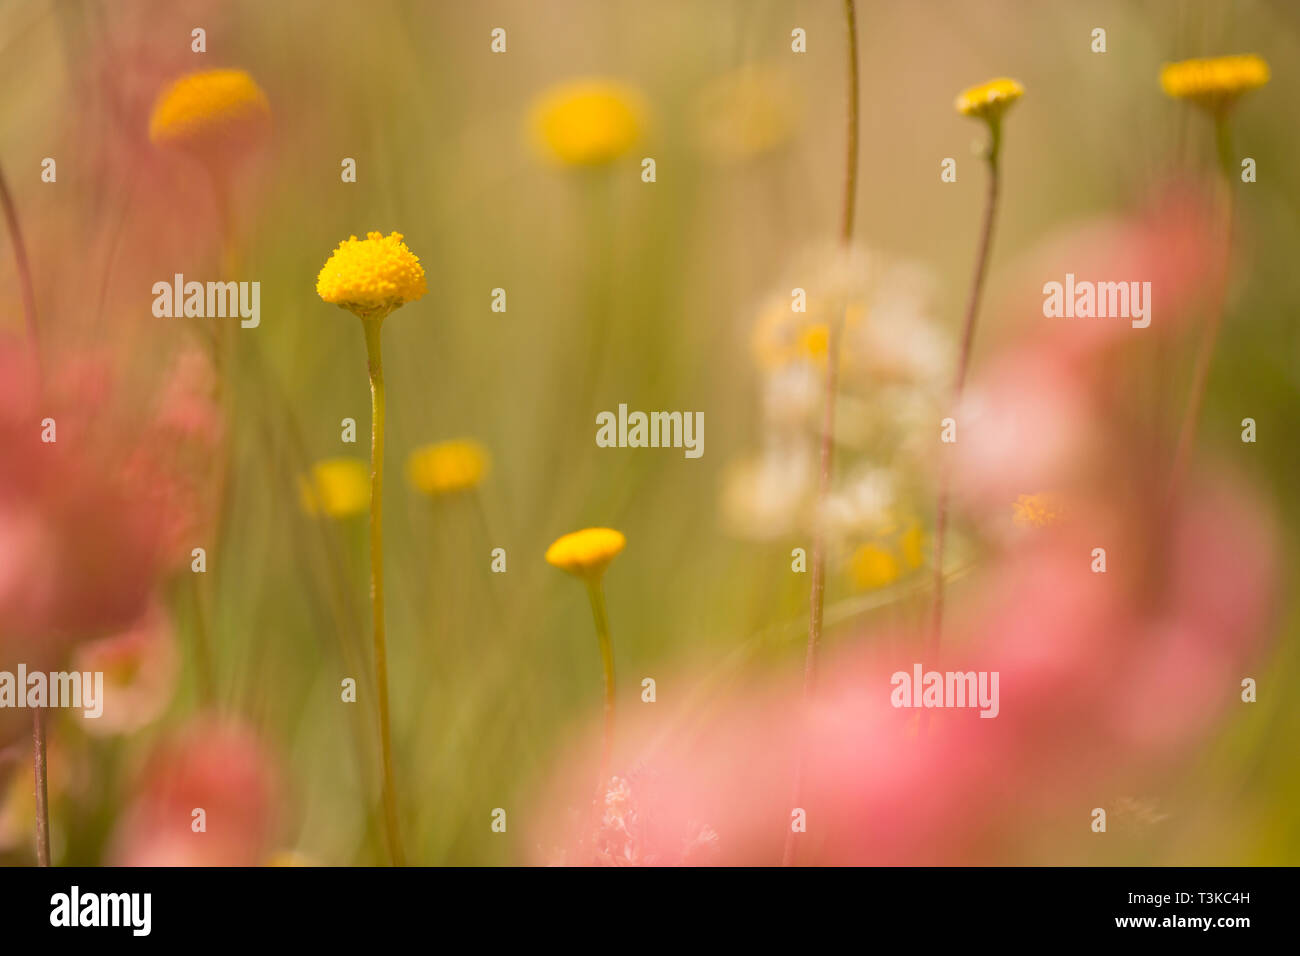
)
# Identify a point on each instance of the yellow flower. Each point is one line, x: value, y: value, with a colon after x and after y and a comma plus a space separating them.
x: 448, y: 466
x: 588, y: 122
x: 894, y: 550
x: 337, y: 487
x: 211, y: 108
x: 1035, y: 511
x: 586, y: 553
x: 872, y: 566
x: 990, y: 100
x: 1216, y: 82
x: 373, y: 276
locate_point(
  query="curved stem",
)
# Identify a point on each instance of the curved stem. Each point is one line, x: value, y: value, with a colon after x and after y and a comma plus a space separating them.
x: 375, y: 363
x: 20, y: 260
x: 959, y: 380
x: 596, y: 592
x: 42, y: 789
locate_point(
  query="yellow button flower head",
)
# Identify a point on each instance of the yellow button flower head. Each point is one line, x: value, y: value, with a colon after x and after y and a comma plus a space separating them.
x: 337, y: 488
x: 586, y: 553
x: 1214, y: 83
x: 373, y: 276
x: 588, y: 122
x: 211, y: 109
x: 990, y: 100
x: 448, y: 467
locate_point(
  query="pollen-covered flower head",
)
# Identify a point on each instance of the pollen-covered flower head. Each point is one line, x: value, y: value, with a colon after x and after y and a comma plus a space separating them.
x: 448, y: 466
x: 586, y: 553
x: 371, y: 277
x: 990, y: 100
x: 1214, y: 83
x: 336, y: 488
x: 210, y: 109
x: 588, y: 122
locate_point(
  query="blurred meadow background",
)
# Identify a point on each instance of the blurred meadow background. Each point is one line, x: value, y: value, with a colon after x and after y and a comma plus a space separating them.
x: 659, y: 295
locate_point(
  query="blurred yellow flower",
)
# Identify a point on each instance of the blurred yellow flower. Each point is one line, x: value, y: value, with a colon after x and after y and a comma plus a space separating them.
x: 872, y: 566
x: 447, y: 467
x: 373, y: 276
x: 208, y: 109
x: 990, y: 100
x: 894, y: 550
x: 588, y: 122
x: 337, y: 487
x: 1216, y: 82
x: 1035, y: 511
x: 586, y: 553
x: 745, y: 113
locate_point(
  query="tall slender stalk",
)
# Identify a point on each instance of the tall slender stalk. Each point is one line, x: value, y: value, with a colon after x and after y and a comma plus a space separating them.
x: 42, y: 789
x: 959, y: 379
x: 596, y: 592
x: 1214, y: 322
x: 20, y: 260
x: 817, y: 592
x: 375, y: 364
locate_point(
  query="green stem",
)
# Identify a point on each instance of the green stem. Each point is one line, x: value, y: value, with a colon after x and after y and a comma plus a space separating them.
x: 959, y: 380
x: 375, y: 363
x: 596, y: 592
x: 1205, y: 352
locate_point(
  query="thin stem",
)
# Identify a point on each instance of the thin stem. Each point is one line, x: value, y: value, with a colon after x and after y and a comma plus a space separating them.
x: 42, y: 788
x: 596, y: 592
x: 1205, y: 352
x: 20, y: 260
x: 375, y: 363
x: 963, y: 365
x: 817, y: 592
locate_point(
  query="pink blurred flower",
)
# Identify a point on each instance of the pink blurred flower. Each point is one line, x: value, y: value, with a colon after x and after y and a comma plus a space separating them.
x: 219, y: 768
x: 140, y: 666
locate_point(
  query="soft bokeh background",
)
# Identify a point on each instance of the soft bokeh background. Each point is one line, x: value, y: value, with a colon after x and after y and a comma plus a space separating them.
x: 496, y: 677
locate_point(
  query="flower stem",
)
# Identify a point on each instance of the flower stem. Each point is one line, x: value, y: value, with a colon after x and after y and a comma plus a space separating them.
x: 596, y: 592
x: 42, y: 788
x: 817, y: 591
x: 959, y: 380
x: 375, y: 363
x: 20, y: 259
x: 1205, y: 352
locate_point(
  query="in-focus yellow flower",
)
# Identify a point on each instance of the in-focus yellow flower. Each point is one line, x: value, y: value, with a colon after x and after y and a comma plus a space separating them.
x: 588, y: 122
x: 1214, y: 83
x: 337, y: 487
x: 210, y: 109
x: 586, y: 553
x: 448, y: 466
x: 990, y: 100
x: 373, y: 276
x: 1035, y: 511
